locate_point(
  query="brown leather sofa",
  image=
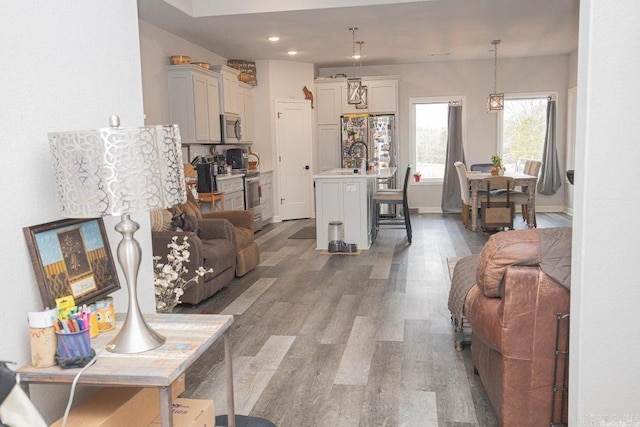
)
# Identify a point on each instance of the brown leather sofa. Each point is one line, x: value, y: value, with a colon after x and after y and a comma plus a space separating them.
x: 513, y: 310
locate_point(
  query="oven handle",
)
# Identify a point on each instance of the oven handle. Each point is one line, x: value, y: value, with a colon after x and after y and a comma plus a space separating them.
x: 252, y: 180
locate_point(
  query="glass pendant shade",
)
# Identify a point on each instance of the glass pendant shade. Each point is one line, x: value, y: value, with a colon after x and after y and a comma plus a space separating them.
x: 495, y: 102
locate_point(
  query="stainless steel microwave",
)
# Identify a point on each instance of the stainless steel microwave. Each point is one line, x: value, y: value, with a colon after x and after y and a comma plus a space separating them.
x: 231, y: 128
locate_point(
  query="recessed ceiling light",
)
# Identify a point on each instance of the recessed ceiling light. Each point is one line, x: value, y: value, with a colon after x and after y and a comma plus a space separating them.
x: 273, y: 38
x: 292, y: 52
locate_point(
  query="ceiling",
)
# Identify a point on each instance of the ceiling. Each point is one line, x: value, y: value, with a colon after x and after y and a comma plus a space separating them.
x: 393, y: 33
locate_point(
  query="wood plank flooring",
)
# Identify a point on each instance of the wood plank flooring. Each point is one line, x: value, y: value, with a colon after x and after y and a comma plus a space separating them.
x: 337, y: 340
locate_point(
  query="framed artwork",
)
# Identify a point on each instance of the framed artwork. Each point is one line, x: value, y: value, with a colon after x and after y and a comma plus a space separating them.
x: 363, y: 98
x: 72, y: 257
x: 353, y: 91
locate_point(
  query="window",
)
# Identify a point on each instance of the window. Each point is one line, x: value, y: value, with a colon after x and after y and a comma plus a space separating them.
x: 524, y: 124
x: 429, y: 124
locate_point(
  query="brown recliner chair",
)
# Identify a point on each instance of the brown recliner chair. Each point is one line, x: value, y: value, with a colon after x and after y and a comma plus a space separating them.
x: 520, y: 293
x: 248, y: 252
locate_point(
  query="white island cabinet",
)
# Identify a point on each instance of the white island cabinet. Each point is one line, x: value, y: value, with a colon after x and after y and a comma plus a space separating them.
x: 342, y: 195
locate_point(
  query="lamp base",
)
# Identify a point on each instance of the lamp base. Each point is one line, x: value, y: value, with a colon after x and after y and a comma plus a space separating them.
x: 136, y: 335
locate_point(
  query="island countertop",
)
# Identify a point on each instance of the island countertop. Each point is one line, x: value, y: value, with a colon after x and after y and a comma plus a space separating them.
x: 349, y: 173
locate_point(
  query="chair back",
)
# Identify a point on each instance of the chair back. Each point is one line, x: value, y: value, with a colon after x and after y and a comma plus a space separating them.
x: 482, y: 167
x: 405, y: 186
x: 464, y: 186
x: 500, y: 211
x: 493, y: 183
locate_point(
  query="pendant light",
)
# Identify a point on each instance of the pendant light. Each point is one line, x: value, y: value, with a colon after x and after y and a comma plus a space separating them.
x: 363, y: 89
x: 353, y: 83
x: 495, y: 102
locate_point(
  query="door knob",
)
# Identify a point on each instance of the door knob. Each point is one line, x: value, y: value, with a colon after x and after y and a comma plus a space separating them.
x: 306, y: 167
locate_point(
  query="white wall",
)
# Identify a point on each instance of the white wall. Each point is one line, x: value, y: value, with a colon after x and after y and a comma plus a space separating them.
x: 64, y: 67
x: 276, y: 80
x: 604, y: 374
x: 474, y: 80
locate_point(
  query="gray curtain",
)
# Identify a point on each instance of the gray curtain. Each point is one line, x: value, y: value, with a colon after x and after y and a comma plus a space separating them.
x: 550, y: 178
x: 451, y: 201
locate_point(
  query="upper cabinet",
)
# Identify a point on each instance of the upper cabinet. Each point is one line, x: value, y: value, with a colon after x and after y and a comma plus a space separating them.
x: 383, y: 96
x: 229, y: 88
x: 328, y: 103
x: 331, y: 98
x: 245, y: 106
x: 194, y: 103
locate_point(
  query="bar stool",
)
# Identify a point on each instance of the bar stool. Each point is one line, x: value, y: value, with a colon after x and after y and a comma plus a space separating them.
x: 395, y: 197
x: 216, y: 199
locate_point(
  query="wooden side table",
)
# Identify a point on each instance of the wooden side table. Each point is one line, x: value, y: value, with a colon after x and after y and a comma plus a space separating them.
x: 216, y: 199
x: 188, y: 337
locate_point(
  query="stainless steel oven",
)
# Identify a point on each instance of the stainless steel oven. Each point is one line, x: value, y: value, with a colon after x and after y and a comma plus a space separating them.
x: 252, y: 198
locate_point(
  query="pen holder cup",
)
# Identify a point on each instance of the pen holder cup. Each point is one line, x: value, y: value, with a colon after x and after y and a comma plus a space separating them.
x: 74, y: 349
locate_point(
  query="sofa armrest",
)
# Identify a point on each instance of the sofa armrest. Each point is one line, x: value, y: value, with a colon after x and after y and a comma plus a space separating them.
x: 528, y: 310
x: 504, y: 249
x: 239, y: 218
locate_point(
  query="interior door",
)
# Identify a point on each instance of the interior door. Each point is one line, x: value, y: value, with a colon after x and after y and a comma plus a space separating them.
x: 294, y: 142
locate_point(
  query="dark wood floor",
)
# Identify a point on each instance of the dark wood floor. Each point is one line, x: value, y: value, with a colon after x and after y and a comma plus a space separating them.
x: 348, y: 340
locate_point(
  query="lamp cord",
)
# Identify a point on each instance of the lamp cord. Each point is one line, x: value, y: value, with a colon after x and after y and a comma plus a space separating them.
x: 73, y: 390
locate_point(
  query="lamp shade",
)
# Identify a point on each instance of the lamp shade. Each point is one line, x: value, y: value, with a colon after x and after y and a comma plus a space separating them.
x: 116, y: 171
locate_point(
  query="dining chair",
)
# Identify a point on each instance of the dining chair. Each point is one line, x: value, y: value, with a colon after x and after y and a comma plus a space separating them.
x: 481, y: 167
x: 498, y: 209
x: 465, y: 192
x: 393, y: 198
x: 521, y: 196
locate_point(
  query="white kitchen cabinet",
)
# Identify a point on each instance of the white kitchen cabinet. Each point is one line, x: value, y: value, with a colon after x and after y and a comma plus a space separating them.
x: 382, y: 96
x: 229, y: 88
x: 329, y: 145
x: 194, y: 103
x: 327, y: 103
x: 233, y: 188
x: 266, y: 196
x: 245, y: 106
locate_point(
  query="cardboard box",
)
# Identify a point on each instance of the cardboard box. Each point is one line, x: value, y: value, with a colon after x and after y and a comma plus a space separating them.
x: 120, y: 406
x: 191, y: 413
x: 115, y: 407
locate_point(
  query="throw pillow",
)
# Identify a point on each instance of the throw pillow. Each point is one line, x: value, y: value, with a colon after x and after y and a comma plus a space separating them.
x: 160, y: 220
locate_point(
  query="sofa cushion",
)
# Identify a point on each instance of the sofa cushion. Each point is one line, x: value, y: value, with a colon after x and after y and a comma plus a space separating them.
x: 160, y: 220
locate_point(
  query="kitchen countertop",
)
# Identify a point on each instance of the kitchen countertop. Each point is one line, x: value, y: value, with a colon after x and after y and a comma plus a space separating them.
x: 223, y: 176
x: 348, y: 173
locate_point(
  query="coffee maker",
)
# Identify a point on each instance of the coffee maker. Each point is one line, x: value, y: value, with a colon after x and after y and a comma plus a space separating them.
x: 237, y: 158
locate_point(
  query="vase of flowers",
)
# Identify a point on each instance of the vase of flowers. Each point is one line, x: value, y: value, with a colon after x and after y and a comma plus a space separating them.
x: 169, y: 277
x: 498, y: 168
x: 417, y: 176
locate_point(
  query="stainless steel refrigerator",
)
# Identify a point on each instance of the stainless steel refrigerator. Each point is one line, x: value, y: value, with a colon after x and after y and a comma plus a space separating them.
x: 371, y: 138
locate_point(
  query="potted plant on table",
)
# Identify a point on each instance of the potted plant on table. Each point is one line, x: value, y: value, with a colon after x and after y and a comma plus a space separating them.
x: 168, y: 277
x: 498, y: 168
x: 417, y: 176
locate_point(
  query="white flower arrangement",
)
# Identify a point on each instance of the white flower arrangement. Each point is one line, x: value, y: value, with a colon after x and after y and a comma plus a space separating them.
x: 168, y: 278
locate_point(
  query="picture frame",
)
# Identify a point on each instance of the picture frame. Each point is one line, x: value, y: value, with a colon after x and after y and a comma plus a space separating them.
x: 353, y: 91
x: 72, y: 257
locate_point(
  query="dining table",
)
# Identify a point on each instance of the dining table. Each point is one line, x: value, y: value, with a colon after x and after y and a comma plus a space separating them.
x: 519, y: 179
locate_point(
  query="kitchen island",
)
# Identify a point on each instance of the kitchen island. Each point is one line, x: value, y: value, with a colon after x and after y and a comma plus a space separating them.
x: 342, y: 195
